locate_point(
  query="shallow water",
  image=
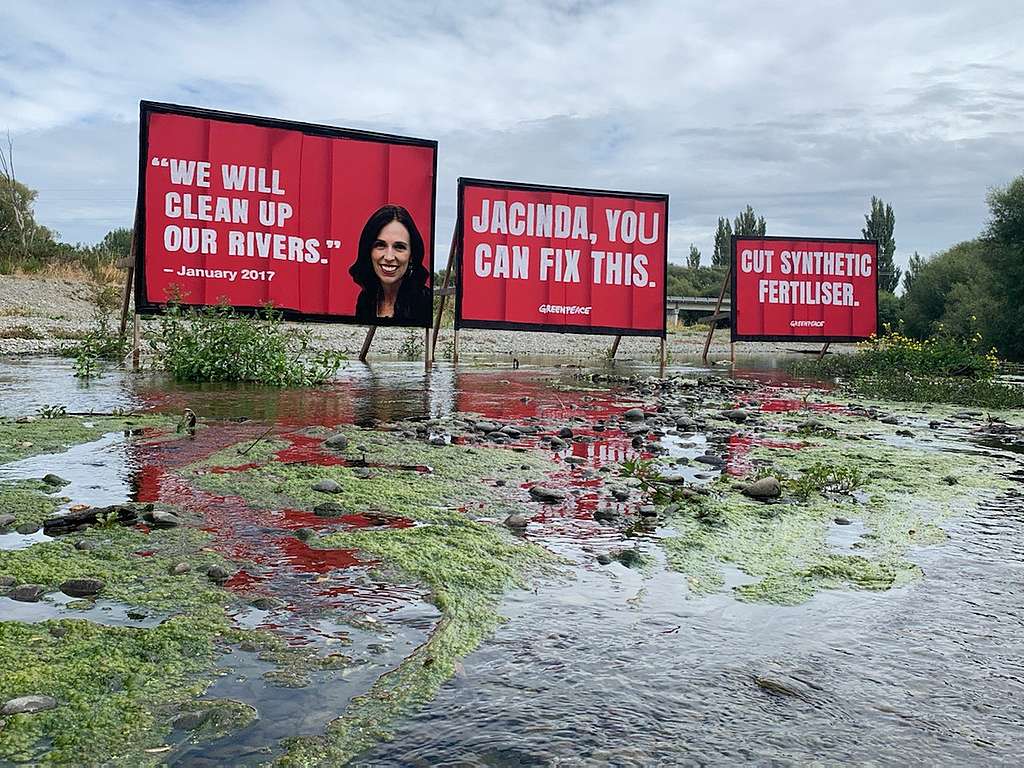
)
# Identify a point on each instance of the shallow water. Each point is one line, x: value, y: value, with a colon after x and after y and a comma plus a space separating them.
x: 597, y: 665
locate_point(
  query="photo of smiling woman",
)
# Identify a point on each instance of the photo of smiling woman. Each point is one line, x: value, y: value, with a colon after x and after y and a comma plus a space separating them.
x: 389, y: 268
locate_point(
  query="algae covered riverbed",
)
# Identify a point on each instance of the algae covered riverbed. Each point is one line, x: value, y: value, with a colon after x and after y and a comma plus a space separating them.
x: 494, y: 567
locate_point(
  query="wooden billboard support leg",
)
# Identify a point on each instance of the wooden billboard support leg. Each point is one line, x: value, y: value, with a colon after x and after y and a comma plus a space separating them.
x: 128, y: 284
x: 136, y: 342
x: 455, y: 347
x: 366, y: 343
x: 444, y: 289
x: 427, y: 351
x: 732, y: 352
x: 718, y: 308
x: 662, y: 358
x: 615, y: 348
x: 824, y: 349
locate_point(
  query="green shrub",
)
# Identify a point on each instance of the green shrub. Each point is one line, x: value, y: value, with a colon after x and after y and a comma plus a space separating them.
x: 218, y: 344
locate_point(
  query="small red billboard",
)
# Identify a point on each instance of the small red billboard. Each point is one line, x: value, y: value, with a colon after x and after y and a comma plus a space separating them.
x: 811, y: 289
x: 320, y: 222
x: 561, y: 259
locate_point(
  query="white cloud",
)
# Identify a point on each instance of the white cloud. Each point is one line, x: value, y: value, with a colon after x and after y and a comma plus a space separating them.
x: 802, y: 110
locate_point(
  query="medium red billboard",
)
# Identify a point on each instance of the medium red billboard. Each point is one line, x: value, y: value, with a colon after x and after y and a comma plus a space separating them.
x: 813, y: 289
x: 561, y: 259
x: 323, y: 223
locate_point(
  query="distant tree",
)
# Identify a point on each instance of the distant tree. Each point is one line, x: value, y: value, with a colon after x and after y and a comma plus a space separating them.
x: 936, y: 286
x: 1004, y: 257
x: 879, y: 225
x: 914, y: 267
x: 693, y: 260
x: 117, y: 242
x: 748, y: 224
x: 722, y: 255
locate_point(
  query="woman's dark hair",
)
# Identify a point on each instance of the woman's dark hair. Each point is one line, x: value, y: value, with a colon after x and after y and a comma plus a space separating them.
x: 409, y: 303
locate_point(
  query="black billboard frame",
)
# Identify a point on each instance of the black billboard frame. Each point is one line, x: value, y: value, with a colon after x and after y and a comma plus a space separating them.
x: 502, y: 325
x: 819, y: 339
x: 143, y: 304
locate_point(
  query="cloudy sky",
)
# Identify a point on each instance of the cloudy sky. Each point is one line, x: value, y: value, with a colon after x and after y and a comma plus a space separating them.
x: 803, y: 110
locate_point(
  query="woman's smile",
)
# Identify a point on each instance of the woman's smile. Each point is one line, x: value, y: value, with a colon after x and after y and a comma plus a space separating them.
x: 390, y: 254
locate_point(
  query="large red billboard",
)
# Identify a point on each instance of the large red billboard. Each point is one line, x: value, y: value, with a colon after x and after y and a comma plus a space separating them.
x: 322, y: 223
x: 559, y: 259
x: 806, y: 288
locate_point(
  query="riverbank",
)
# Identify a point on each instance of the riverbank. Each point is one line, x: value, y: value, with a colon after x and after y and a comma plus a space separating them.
x: 39, y: 316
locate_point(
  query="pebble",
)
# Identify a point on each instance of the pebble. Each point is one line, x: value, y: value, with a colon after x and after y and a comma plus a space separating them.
x: 161, y: 519
x: 217, y: 574
x: 82, y: 587
x: 765, y: 488
x: 338, y: 442
x: 634, y: 414
x: 620, y: 494
x: 605, y: 514
x: 565, y: 433
x: 27, y: 593
x: 517, y: 521
x: 327, y: 486
x: 548, y: 495
x: 27, y: 705
x: 604, y: 558
x: 178, y: 569
x: 842, y: 521
x: 86, y: 545
x: 55, y: 480
x: 329, y: 509
x: 737, y: 415
x: 27, y: 529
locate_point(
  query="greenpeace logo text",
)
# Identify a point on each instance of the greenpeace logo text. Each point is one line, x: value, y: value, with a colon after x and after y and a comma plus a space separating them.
x: 558, y: 309
x: 806, y: 323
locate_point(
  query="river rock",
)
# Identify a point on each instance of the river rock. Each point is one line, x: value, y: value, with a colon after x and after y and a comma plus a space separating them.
x: 162, y: 519
x: 82, y: 587
x: 27, y: 529
x: 765, y: 488
x: 619, y: 493
x: 305, y: 534
x: 179, y: 569
x: 217, y: 574
x: 189, y: 721
x: 86, y: 545
x: 517, y: 521
x: 557, y: 443
x: 54, y: 480
x: 577, y: 460
x: 7, y: 520
x: 648, y: 510
x: 634, y: 414
x: 604, y: 558
x: 27, y: 705
x: 890, y: 420
x: 329, y: 509
x: 842, y: 521
x: 486, y: 427
x: 327, y: 486
x: 548, y: 495
x: 267, y: 603
x: 338, y: 442
x: 27, y: 593
x: 737, y: 415
x: 605, y: 514
x: 6, y: 582
x: 363, y: 473
x: 565, y: 433
x: 711, y: 460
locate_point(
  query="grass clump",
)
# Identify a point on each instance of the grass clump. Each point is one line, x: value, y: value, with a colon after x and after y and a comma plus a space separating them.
x: 216, y: 343
x: 825, y: 478
x: 101, y: 343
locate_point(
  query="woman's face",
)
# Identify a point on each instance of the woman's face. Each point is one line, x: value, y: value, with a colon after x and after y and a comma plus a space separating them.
x: 390, y: 253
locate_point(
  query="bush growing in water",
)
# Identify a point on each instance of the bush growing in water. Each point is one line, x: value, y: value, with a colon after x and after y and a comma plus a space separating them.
x: 218, y: 344
x: 102, y: 342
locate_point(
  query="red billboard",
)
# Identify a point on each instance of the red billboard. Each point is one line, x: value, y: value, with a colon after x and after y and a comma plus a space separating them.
x: 560, y: 259
x: 323, y: 223
x: 807, y: 288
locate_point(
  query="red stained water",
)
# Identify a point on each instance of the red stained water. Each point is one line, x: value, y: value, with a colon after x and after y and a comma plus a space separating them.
x: 777, y: 405
x: 738, y: 461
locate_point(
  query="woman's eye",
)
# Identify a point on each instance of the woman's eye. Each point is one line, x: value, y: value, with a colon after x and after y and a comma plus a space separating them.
x: 400, y: 246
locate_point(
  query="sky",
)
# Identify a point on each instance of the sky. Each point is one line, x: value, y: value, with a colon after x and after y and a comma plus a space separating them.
x: 803, y: 110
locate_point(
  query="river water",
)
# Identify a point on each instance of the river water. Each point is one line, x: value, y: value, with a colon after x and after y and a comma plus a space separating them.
x: 599, y: 664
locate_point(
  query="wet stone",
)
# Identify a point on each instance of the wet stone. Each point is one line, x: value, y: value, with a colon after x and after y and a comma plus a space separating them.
x: 363, y: 473
x: 82, y: 587
x: 27, y: 593
x: 842, y: 521
x: 604, y: 558
x: 648, y: 510
x: 711, y: 460
x: 6, y: 520
x: 890, y: 420
x: 328, y: 509
x: 765, y: 488
x: 86, y: 545
x: 548, y: 495
x: 27, y: 529
x: 737, y: 415
x: 565, y: 433
x: 266, y: 603
x: 179, y: 569
x: 338, y: 442
x: 575, y: 460
x: 620, y: 494
x: 327, y: 486
x: 217, y: 574
x: 634, y: 414
x: 305, y: 534
x: 438, y: 440
x: 605, y: 514
x: 189, y: 721
x: 54, y: 480
x: 6, y: 582
x: 27, y: 705
x: 517, y: 521
x: 557, y: 443
x: 161, y: 519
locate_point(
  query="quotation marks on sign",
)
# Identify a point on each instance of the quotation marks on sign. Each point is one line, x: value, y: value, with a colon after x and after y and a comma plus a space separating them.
x: 333, y: 243
x: 159, y: 161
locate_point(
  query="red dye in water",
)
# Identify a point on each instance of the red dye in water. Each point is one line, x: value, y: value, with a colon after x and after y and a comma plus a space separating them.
x: 739, y: 451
